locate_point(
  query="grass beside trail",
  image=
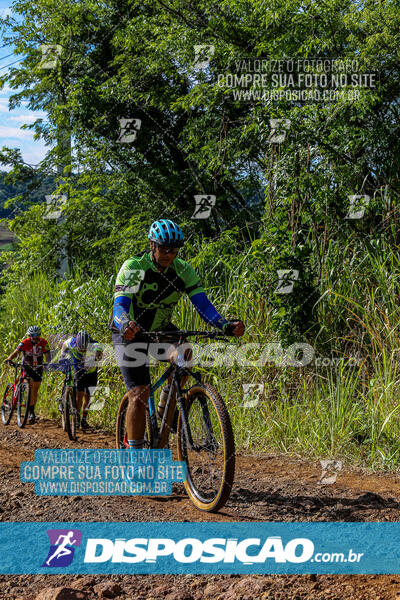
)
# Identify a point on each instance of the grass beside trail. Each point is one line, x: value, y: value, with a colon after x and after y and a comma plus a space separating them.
x: 336, y: 415
x: 347, y: 409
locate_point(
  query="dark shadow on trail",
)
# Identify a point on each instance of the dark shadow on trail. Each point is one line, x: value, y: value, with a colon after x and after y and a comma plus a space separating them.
x: 295, y: 507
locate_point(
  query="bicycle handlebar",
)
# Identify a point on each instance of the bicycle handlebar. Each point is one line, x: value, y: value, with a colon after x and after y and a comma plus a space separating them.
x: 178, y: 335
x: 63, y: 367
x: 14, y: 364
x: 46, y: 366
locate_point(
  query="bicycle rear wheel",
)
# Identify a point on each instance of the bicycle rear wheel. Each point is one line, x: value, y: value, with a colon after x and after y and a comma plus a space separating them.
x: 7, y: 407
x: 211, y: 464
x: 121, y: 438
x: 60, y: 407
x: 70, y: 413
x: 24, y: 398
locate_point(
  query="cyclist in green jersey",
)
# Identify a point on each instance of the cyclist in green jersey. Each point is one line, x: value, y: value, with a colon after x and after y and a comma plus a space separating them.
x: 147, y: 289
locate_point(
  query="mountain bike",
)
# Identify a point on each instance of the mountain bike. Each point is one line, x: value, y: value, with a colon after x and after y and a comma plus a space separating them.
x: 201, y: 420
x: 17, y: 395
x: 67, y: 402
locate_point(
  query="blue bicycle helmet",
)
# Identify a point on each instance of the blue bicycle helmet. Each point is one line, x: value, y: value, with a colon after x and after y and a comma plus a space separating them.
x: 166, y: 233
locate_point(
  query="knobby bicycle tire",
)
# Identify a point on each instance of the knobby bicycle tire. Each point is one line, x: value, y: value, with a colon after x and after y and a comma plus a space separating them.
x: 200, y: 399
x: 70, y: 413
x: 62, y: 412
x: 63, y: 421
x: 23, y: 402
x: 120, y: 428
x: 7, y: 406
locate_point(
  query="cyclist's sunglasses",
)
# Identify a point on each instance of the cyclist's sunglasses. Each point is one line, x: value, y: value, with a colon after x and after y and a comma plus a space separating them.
x: 167, y: 250
x: 34, y: 336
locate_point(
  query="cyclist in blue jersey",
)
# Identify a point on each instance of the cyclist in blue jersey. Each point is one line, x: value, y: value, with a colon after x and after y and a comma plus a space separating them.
x: 85, y: 354
x: 148, y: 287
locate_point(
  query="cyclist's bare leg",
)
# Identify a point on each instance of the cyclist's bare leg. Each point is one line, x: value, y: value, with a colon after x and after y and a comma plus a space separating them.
x: 86, y: 401
x: 79, y: 398
x: 85, y: 407
x: 34, y: 388
x: 135, y: 414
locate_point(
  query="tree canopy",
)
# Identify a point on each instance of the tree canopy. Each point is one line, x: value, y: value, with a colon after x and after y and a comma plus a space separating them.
x: 287, y: 201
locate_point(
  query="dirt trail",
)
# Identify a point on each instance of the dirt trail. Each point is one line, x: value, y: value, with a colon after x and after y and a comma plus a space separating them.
x: 267, y: 488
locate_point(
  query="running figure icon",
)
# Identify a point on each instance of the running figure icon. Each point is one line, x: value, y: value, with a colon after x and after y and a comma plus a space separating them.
x: 63, y: 543
x: 62, y: 549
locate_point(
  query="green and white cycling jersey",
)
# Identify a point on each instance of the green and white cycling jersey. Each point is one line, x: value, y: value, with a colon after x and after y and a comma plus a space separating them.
x: 147, y: 296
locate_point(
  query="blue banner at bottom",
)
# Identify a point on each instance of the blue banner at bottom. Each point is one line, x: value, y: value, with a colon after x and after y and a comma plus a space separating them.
x: 199, y: 548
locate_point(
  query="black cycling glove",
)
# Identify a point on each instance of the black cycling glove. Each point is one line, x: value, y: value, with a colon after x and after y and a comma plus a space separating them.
x: 229, y: 327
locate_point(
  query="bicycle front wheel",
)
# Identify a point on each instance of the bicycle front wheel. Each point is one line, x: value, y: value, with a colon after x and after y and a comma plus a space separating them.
x: 7, y: 407
x: 70, y: 419
x: 24, y: 398
x: 211, y: 462
x: 121, y: 436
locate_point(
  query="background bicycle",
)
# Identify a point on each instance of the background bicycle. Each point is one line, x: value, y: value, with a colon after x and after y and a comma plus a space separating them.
x: 67, y: 401
x: 16, y: 396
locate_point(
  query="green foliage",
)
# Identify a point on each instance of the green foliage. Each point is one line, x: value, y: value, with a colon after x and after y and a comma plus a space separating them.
x: 279, y: 206
x: 15, y: 195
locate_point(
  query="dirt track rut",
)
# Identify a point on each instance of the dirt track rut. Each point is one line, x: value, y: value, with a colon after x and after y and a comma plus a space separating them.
x: 267, y: 488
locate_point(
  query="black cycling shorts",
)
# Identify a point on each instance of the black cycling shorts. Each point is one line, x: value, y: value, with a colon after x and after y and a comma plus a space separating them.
x: 84, y: 380
x: 133, y: 357
x: 35, y: 373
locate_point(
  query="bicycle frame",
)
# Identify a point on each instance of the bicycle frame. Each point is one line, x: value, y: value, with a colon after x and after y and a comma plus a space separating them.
x: 177, y: 372
x: 18, y: 380
x: 14, y: 394
x: 67, y: 381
